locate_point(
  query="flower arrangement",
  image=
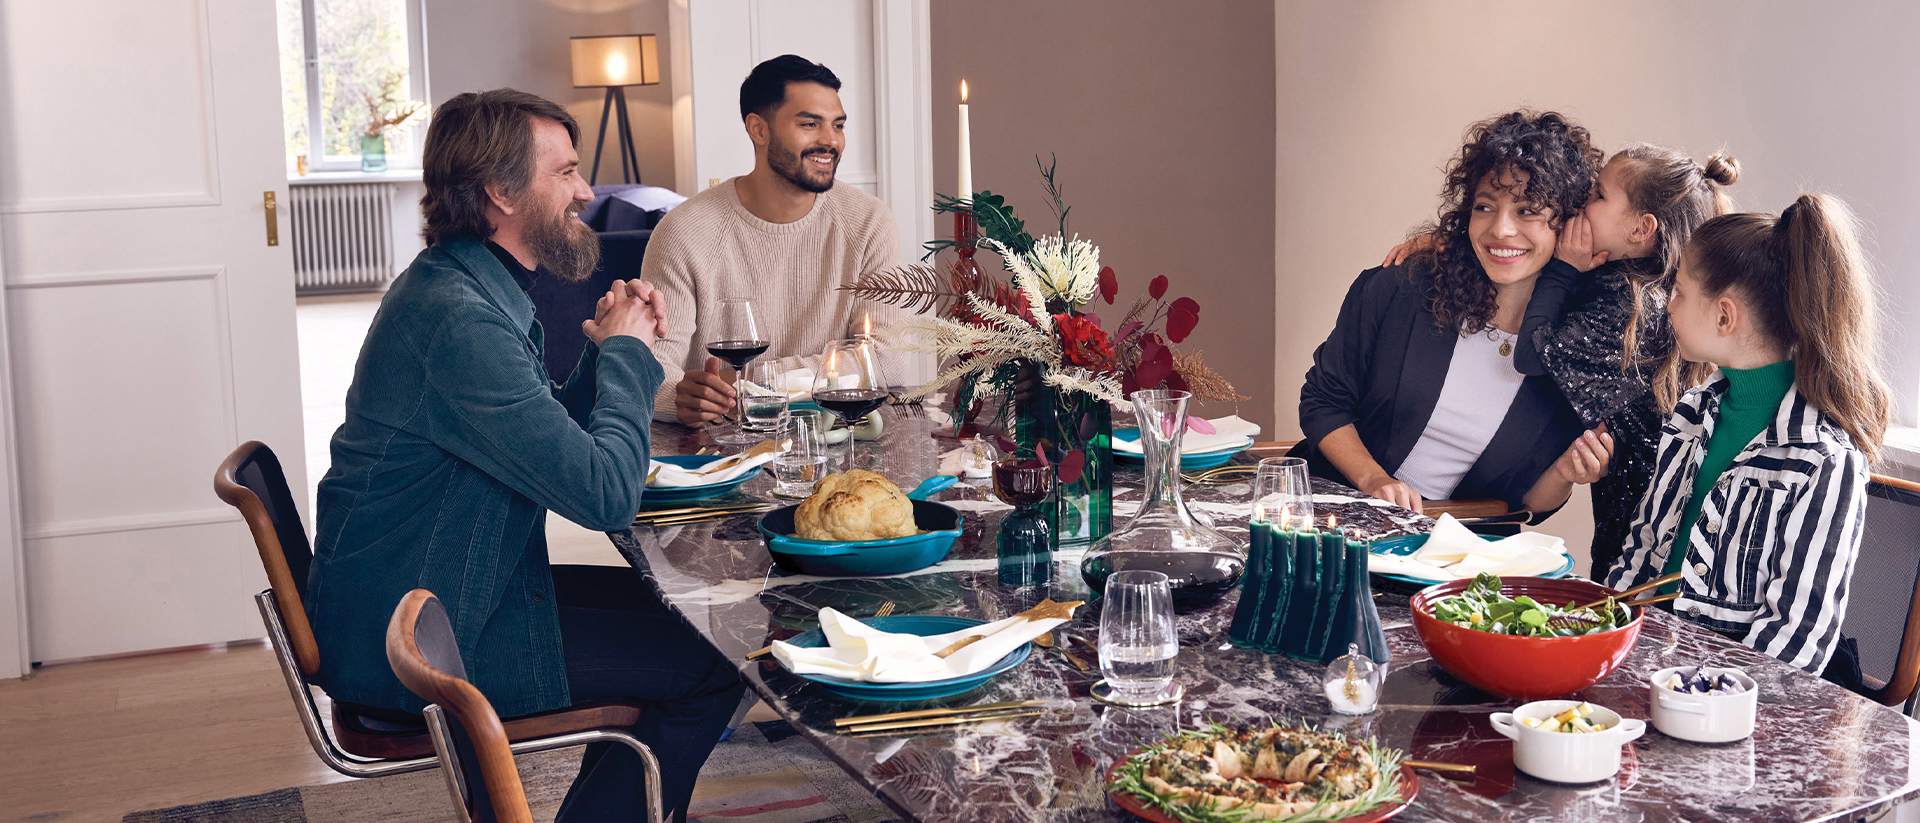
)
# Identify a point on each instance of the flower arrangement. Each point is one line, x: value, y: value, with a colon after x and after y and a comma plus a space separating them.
x: 987, y: 331
x: 387, y: 112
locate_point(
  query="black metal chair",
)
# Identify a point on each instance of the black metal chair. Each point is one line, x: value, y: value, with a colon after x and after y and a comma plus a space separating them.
x: 467, y: 733
x: 366, y: 741
x: 1885, y: 593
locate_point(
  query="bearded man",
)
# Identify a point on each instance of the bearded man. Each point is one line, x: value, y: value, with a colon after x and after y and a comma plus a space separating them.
x: 457, y: 443
x: 783, y: 235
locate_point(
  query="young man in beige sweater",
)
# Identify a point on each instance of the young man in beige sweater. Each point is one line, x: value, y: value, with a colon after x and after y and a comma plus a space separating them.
x: 783, y: 236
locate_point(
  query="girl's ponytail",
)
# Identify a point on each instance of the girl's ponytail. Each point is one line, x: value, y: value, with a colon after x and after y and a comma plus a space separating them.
x: 1831, y: 307
x: 1805, y: 280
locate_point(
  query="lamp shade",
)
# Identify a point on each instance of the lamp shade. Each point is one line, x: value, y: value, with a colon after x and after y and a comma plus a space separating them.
x: 616, y: 60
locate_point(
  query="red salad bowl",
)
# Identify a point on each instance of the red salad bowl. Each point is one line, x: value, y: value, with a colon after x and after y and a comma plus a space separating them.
x: 1525, y: 667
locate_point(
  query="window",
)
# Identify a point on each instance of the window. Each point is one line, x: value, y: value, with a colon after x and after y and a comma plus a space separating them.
x: 334, y: 55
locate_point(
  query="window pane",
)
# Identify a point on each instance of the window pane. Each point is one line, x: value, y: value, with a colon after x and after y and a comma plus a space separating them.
x: 362, y: 47
x: 293, y: 75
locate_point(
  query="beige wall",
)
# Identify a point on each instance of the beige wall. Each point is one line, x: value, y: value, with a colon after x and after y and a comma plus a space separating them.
x: 1162, y: 118
x: 1373, y: 96
x: 484, y: 44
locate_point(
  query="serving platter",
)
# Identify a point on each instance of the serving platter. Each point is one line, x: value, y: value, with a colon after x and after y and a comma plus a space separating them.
x: 1409, y: 789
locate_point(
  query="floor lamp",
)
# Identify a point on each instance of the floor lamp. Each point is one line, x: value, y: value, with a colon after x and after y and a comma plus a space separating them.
x: 616, y: 62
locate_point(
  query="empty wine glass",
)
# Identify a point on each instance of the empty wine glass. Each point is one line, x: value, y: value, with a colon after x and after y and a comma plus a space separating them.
x: 1282, y: 494
x: 762, y: 394
x: 802, y: 460
x: 848, y: 383
x: 738, y: 342
x: 1137, y: 637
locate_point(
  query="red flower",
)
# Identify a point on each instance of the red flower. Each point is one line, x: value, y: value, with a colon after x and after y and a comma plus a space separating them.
x: 1083, y: 342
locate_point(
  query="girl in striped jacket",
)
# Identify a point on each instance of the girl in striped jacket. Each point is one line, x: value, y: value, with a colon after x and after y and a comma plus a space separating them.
x: 1759, y: 484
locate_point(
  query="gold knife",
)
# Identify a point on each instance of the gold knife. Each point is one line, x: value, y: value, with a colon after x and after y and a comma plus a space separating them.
x: 934, y: 723
x: 864, y: 719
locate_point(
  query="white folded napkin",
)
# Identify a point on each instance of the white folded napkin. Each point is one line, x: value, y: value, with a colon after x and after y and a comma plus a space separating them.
x: 856, y: 651
x: 668, y: 476
x: 1452, y: 551
x: 1228, y: 433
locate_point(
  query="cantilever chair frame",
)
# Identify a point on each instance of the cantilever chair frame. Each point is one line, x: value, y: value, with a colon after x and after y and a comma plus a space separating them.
x: 300, y: 660
x: 450, y: 693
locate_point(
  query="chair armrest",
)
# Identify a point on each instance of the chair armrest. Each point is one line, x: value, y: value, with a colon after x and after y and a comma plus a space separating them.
x: 1483, y: 510
x: 575, y: 719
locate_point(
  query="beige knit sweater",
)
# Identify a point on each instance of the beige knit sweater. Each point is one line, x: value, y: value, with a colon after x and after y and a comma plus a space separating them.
x: 711, y: 247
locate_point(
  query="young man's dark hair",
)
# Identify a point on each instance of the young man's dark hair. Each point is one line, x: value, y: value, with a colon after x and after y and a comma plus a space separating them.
x: 766, y: 86
x: 479, y: 138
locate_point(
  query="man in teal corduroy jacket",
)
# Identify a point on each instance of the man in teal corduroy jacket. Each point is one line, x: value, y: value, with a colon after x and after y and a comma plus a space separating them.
x: 457, y: 443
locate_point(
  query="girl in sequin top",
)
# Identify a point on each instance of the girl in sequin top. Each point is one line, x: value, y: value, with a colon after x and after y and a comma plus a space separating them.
x: 1596, y: 322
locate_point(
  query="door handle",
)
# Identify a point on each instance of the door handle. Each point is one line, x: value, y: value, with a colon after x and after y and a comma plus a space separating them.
x: 273, y: 218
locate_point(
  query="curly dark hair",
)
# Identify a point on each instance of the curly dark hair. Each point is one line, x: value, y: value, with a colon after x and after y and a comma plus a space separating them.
x: 1561, y: 165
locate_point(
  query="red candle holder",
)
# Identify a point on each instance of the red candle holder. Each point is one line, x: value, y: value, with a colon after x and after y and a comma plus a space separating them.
x: 966, y: 232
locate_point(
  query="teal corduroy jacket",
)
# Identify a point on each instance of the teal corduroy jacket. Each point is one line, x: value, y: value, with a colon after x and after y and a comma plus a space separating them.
x: 456, y: 444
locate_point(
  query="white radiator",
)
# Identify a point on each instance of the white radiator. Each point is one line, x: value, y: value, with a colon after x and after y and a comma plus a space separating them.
x: 342, y: 236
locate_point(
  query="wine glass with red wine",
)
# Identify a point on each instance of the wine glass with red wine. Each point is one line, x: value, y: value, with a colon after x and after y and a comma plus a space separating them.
x: 848, y: 383
x: 738, y: 342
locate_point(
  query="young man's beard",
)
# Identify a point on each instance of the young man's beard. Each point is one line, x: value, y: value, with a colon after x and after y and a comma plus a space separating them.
x: 792, y: 168
x: 567, y: 248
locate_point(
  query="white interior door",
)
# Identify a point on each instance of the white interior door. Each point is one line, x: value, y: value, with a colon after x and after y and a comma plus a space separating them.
x: 150, y: 325
x: 880, y: 49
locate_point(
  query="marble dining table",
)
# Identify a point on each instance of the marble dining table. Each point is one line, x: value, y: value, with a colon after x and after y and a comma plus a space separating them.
x: 1818, y: 752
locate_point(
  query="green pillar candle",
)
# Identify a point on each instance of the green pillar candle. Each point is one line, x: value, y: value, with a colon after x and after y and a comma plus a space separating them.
x: 1281, y: 563
x: 1252, y: 585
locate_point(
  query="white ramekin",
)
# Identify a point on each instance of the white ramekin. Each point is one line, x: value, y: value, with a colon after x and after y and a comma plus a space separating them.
x: 1703, y: 718
x: 1567, y: 757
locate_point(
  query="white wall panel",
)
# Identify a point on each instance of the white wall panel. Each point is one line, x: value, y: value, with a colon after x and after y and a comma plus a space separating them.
x: 143, y: 589
x: 120, y: 428
x: 132, y: 82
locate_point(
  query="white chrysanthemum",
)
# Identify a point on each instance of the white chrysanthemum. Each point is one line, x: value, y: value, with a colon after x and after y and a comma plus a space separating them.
x: 1067, y: 270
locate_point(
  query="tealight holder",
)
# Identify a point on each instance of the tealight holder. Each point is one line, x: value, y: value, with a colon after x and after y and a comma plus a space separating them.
x: 1352, y: 682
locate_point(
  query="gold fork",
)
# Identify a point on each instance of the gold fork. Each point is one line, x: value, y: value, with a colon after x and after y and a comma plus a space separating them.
x: 884, y: 610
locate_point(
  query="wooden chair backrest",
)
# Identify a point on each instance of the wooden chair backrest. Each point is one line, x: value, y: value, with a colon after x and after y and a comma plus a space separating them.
x: 1906, y: 667
x: 426, y: 657
x: 242, y: 480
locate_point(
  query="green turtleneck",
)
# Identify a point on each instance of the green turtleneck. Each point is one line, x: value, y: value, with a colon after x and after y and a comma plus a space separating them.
x: 1752, y: 401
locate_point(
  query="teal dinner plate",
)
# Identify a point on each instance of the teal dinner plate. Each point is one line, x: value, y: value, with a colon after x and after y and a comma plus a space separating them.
x: 924, y: 625
x: 1407, y: 544
x: 683, y: 494
x: 1197, y: 460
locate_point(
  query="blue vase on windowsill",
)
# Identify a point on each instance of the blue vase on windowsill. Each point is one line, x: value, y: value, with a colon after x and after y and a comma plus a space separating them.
x: 373, y: 152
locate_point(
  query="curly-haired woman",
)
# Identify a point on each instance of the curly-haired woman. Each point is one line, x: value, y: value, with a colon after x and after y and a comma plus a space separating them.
x: 1415, y: 395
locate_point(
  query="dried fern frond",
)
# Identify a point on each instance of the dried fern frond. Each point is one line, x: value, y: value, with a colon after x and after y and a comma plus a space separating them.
x: 915, y: 288
x: 1135, y: 313
x: 1202, y: 380
x: 1102, y: 386
x: 1029, y: 286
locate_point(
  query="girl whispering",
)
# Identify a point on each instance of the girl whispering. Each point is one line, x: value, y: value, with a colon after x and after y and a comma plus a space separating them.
x: 1759, y: 483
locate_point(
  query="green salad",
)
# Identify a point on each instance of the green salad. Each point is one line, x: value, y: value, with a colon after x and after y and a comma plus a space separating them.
x: 1484, y: 608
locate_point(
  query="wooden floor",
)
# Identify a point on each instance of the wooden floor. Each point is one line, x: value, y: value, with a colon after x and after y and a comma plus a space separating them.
x: 93, y: 741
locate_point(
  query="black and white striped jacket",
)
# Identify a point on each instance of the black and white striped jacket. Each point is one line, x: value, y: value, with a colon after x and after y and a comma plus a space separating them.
x: 1769, y: 559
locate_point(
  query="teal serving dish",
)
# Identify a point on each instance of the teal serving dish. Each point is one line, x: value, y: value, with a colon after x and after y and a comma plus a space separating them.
x: 1407, y: 544
x: 1197, y: 460
x: 924, y: 625
x: 940, y: 526
x: 683, y: 494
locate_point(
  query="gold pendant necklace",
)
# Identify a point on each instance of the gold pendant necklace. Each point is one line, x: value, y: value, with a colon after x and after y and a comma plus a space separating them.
x: 1506, y: 348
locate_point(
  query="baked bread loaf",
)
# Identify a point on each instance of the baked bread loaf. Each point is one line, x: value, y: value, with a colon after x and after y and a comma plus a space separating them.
x: 855, y: 505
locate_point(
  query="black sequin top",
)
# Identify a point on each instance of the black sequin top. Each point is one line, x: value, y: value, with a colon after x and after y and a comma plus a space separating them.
x: 1574, y: 330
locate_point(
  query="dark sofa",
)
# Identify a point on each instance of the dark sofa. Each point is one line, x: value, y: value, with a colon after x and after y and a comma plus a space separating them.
x: 618, y: 214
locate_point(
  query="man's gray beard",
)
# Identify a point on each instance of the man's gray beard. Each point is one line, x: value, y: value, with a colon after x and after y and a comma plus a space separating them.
x: 567, y: 248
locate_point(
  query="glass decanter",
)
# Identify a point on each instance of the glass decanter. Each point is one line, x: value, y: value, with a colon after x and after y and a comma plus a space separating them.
x: 1201, y: 563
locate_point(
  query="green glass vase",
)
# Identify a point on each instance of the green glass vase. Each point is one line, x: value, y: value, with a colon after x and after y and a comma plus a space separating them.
x: 373, y: 152
x: 1082, y: 510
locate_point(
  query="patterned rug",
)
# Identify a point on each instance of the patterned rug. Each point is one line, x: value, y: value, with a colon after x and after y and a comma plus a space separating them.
x: 764, y: 773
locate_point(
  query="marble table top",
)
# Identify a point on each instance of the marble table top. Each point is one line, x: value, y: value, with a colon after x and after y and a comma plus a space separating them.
x: 1819, y: 752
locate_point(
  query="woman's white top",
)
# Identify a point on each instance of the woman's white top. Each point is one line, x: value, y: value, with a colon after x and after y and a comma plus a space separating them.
x: 1481, y: 384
